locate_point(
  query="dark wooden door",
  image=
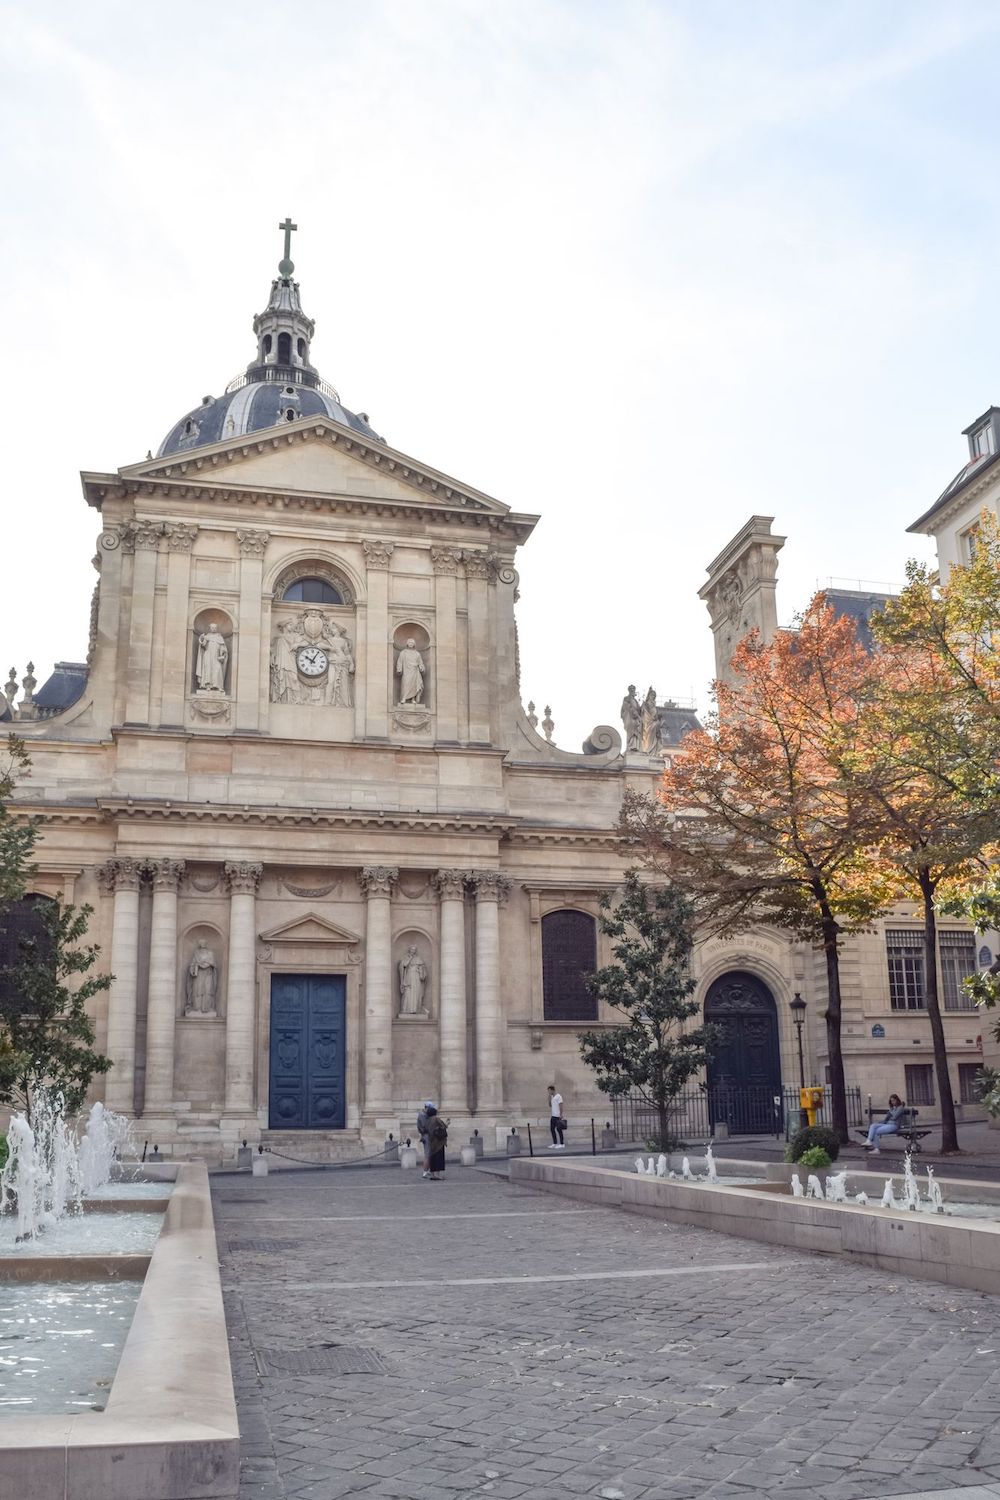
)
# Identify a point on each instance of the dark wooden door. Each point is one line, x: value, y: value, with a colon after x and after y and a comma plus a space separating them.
x: 744, y: 1072
x: 306, y: 1090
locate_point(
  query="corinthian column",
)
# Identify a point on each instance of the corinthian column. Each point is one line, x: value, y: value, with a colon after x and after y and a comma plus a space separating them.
x: 377, y: 882
x: 241, y: 992
x: 166, y: 875
x: 454, y: 1073
x: 123, y: 876
x: 491, y: 894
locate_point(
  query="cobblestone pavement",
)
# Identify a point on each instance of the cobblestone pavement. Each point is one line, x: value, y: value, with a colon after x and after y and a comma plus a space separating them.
x: 393, y: 1337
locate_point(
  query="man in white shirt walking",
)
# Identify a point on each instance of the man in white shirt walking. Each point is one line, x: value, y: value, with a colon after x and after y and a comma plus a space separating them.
x: 556, y: 1122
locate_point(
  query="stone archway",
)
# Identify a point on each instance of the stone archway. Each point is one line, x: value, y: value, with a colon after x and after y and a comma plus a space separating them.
x: 744, y: 1072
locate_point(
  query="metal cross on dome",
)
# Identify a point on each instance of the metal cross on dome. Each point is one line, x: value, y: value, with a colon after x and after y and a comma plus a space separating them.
x: 287, y: 265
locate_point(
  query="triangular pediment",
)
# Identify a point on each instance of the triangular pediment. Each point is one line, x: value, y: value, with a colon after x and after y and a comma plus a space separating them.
x: 316, y: 456
x: 311, y: 928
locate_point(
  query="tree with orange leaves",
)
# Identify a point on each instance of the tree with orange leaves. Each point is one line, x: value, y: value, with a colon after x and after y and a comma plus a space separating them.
x: 766, y: 816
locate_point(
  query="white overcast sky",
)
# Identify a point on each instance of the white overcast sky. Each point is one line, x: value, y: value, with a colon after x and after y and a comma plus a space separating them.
x: 643, y: 268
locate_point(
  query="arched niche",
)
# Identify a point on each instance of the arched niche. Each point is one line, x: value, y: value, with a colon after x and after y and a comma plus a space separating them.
x: 412, y: 677
x: 212, y: 670
x: 197, y: 1000
x: 413, y: 975
x: 744, y: 1068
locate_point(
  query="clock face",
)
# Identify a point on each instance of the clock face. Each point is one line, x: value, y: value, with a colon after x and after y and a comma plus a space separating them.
x: 313, y: 662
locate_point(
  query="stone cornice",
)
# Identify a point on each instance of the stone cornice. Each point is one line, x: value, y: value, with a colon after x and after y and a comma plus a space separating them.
x: 298, y: 817
x: 949, y: 505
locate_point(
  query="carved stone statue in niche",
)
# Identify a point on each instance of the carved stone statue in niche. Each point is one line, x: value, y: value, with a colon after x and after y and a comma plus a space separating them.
x: 632, y: 719
x: 412, y: 984
x: 213, y: 655
x: 410, y: 671
x: 202, y: 982
x: 650, y: 724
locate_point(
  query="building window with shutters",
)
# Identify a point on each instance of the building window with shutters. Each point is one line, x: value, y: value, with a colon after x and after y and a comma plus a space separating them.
x: 904, y: 949
x: 958, y: 961
x: 569, y: 954
x: 969, y: 1082
x: 919, y: 1084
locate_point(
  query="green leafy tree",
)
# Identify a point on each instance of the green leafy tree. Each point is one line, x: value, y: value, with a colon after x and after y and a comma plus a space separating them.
x: 46, y: 1035
x: 980, y: 905
x: 18, y: 835
x: 653, y: 1053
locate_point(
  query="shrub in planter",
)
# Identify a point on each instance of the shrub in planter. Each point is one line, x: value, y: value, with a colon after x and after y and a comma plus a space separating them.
x: 815, y: 1157
x: 813, y: 1135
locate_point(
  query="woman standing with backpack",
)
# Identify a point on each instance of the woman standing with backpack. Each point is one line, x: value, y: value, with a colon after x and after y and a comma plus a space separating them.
x: 437, y: 1139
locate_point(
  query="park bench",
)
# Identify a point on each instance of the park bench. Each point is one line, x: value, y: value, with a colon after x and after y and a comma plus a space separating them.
x: 907, y: 1128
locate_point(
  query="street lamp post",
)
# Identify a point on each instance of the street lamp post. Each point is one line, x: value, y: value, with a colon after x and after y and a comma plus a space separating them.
x: 797, y: 1006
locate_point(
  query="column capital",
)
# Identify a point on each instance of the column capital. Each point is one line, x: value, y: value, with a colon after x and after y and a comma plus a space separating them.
x: 451, y: 884
x: 123, y: 874
x: 377, y: 554
x: 477, y: 565
x: 242, y: 875
x: 252, y: 543
x: 446, y: 559
x: 144, y: 536
x: 378, y: 880
x: 490, y: 885
x: 180, y: 538
x: 165, y: 873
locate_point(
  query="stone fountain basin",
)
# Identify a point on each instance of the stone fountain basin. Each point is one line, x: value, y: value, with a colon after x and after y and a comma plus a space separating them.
x: 169, y: 1430
x: 955, y: 1251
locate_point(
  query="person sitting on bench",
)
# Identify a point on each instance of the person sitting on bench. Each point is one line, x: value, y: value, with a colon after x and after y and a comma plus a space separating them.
x: 889, y: 1126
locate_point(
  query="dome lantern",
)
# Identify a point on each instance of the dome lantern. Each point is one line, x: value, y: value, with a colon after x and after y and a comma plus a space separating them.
x: 279, y: 384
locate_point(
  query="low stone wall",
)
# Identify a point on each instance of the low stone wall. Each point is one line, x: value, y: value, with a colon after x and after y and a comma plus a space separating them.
x: 169, y: 1431
x: 957, y: 1252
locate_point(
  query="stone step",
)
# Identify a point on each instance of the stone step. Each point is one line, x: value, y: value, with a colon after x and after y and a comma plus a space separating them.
x: 289, y: 1148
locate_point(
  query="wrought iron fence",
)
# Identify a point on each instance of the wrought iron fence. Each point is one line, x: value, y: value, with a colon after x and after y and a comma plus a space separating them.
x: 694, y: 1114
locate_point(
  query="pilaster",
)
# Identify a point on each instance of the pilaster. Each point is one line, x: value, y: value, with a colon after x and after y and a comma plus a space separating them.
x: 243, y: 879
x: 377, y: 556
x: 248, y: 657
x: 142, y: 537
x: 123, y: 876
x: 453, y: 1020
x: 378, y: 883
x: 491, y: 893
x: 177, y: 633
x: 477, y: 574
x: 162, y: 1013
x: 445, y: 561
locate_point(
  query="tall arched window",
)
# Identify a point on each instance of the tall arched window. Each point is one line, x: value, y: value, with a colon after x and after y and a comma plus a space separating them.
x: 23, y: 934
x: 267, y: 343
x: 284, y: 348
x: 569, y: 954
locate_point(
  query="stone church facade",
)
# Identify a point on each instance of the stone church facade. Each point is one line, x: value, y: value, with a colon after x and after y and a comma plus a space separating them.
x: 336, y: 868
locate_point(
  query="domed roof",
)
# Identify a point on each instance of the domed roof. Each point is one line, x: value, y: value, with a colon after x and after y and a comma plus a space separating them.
x: 279, y: 386
x: 250, y: 406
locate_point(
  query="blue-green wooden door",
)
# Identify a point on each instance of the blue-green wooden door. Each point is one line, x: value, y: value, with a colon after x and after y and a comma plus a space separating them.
x: 306, y: 1089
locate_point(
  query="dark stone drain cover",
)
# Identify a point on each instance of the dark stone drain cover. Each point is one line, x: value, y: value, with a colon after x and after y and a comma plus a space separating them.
x: 322, y: 1359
